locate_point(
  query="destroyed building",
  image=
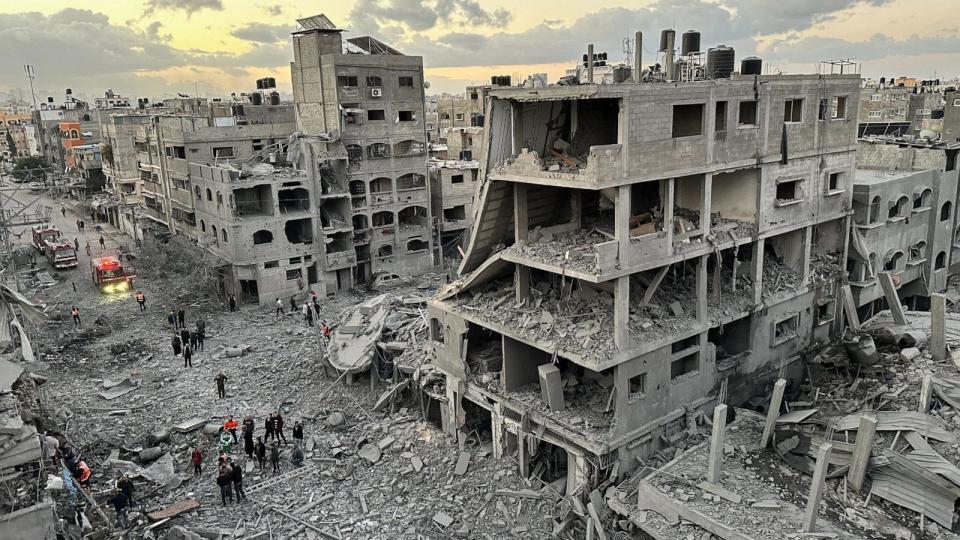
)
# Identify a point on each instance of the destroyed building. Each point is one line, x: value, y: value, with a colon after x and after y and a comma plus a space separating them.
x: 359, y: 109
x: 904, y: 222
x: 635, y: 245
x: 453, y: 185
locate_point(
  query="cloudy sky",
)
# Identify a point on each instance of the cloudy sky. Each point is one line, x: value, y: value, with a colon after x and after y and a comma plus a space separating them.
x: 158, y: 47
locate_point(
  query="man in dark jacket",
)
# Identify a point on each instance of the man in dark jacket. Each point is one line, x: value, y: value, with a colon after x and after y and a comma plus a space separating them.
x: 248, y: 436
x: 236, y: 475
x: 297, y: 433
x: 268, y: 424
x: 120, y: 504
x: 187, y: 356
x: 225, y: 481
x: 275, y: 457
x: 181, y: 317
x: 278, y: 427
x: 184, y: 336
x: 221, y: 381
x: 175, y: 343
x: 125, y: 485
x: 261, y: 452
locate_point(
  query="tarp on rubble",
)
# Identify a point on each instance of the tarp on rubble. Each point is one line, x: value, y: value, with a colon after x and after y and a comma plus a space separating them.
x: 30, y: 310
x: 25, y: 348
x: 354, y: 344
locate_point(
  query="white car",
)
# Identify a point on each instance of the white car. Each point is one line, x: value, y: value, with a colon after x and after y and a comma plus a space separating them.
x: 387, y: 281
x: 35, y: 186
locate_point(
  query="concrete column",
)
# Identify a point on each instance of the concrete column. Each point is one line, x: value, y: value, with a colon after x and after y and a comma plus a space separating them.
x: 702, y: 288
x: 622, y: 224
x: 621, y: 313
x: 551, y: 387
x: 576, y: 207
x: 637, y: 57
x: 667, y: 200
x: 716, y: 443
x: 938, y: 328
x: 893, y: 299
x: 774, y: 412
x: 861, y: 451
x: 590, y: 63
x: 807, y: 241
x: 756, y: 271
x: 707, y: 201
x: 522, y: 279
x: 520, y: 217
x: 577, y: 472
x: 496, y: 420
x: 816, y: 487
x: 926, y: 393
x: 522, y: 457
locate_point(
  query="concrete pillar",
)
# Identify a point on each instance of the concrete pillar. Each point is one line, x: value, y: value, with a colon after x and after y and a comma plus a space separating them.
x: 637, y: 57
x: 622, y: 224
x: 926, y: 393
x: 621, y: 313
x: 807, y: 242
x: 893, y: 299
x: 520, y: 216
x: 667, y: 200
x: 590, y: 63
x: 774, y: 412
x: 551, y: 387
x: 756, y: 271
x: 716, y: 443
x: 816, y: 487
x: 522, y: 279
x: 578, y: 472
x: 496, y: 421
x: 938, y: 328
x: 702, y: 288
x: 861, y: 451
x: 707, y: 202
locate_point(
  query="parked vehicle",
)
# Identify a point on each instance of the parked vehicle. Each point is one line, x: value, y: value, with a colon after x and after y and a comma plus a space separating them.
x: 110, y: 276
x: 41, y: 234
x: 61, y: 254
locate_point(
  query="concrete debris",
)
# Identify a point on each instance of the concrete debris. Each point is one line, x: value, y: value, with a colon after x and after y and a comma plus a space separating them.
x: 174, y: 510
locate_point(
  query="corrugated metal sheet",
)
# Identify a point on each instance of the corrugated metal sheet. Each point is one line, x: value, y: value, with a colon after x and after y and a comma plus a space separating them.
x: 909, y: 485
x: 924, y: 424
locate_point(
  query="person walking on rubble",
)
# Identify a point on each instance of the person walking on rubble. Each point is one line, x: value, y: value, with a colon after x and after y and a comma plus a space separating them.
x: 87, y: 247
x: 76, y: 244
x: 102, y: 243
x: 120, y: 504
x: 184, y: 336
x: 75, y: 313
x: 172, y: 320
x: 307, y: 314
x: 232, y: 300
x: 221, y: 380
x: 275, y: 457
x: 181, y: 316
x: 175, y: 343
x: 261, y: 452
x: 236, y: 476
x: 201, y: 333
x: 278, y: 428
x: 196, y: 457
x: 293, y: 305
x: 142, y: 300
x: 297, y: 433
x: 125, y: 485
x: 193, y: 340
x: 279, y: 310
x: 225, y: 483
x: 268, y: 434
x: 187, y: 355
x: 231, y: 425
x: 248, y: 437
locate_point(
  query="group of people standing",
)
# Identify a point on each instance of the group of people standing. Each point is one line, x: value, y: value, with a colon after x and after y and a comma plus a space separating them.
x: 184, y: 341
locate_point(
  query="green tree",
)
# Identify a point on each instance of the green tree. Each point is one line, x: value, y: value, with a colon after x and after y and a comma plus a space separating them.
x: 29, y: 169
x: 11, y: 145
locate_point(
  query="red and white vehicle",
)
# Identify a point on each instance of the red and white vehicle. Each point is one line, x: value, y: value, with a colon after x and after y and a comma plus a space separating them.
x: 110, y: 276
x: 61, y: 253
x: 43, y: 233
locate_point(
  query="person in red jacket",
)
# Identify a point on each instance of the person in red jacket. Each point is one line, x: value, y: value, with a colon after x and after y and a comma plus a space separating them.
x: 231, y: 425
x: 85, y: 474
x: 197, y: 459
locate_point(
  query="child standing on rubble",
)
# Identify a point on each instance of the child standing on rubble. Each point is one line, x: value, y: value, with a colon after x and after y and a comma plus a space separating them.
x: 275, y: 457
x: 75, y: 313
x: 261, y: 452
x: 197, y: 459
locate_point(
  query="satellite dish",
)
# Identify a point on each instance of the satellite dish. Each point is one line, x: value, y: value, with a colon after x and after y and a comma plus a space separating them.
x: 426, y: 84
x: 928, y: 134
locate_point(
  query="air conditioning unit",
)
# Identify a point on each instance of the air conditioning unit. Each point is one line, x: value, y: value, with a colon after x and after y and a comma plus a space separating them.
x: 376, y: 92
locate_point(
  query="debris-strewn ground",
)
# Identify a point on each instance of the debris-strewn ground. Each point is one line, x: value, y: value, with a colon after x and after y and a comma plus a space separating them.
x: 403, y: 484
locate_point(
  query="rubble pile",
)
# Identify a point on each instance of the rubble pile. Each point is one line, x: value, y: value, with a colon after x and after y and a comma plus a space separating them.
x: 574, y: 250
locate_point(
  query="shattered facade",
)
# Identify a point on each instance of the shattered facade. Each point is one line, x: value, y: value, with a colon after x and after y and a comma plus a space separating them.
x: 453, y: 185
x: 635, y: 246
x: 904, y: 198
x: 360, y: 110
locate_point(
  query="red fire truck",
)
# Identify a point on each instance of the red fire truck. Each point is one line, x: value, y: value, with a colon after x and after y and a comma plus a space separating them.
x: 110, y: 276
x: 61, y: 253
x: 42, y: 233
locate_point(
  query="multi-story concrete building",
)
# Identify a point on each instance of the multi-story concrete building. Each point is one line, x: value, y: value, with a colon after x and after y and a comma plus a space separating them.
x: 925, y: 111
x: 111, y: 100
x: 904, y: 206
x: 883, y: 110
x: 623, y: 266
x: 16, y: 107
x: 462, y: 111
x: 16, y: 127
x: 453, y: 185
x: 121, y: 169
x: 951, y: 116
x: 360, y: 105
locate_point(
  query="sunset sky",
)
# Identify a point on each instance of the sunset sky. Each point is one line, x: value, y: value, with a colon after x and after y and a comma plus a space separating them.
x: 159, y: 47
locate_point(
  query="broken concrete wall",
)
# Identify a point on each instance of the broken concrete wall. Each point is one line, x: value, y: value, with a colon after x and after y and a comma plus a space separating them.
x: 890, y: 157
x: 797, y: 194
x: 29, y: 523
x: 448, y: 333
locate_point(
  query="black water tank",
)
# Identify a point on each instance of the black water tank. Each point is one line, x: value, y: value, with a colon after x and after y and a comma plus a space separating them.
x: 270, y: 83
x: 259, y: 84
x: 689, y: 42
x: 751, y: 65
x: 49, y: 99
x: 69, y: 91
x: 274, y: 98
x: 256, y: 98
x: 664, y: 38
x: 720, y: 61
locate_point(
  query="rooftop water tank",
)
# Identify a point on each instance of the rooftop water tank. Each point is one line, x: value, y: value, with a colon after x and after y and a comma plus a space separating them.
x: 689, y: 42
x: 720, y: 61
x: 665, y: 36
x: 751, y: 65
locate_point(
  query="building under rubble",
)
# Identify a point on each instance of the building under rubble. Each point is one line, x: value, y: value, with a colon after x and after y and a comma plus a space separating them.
x: 360, y: 110
x: 635, y: 248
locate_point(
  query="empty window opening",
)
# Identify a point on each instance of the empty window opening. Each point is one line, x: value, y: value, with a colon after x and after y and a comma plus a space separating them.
x: 687, y: 120
x: 196, y: 191
x: 720, y: 117
x: 731, y: 342
x: 412, y: 217
x: 638, y: 387
x: 179, y: 152
x: 373, y: 80
x: 436, y: 330
x: 793, y: 110
x: 788, y: 191
x: 945, y: 211
x: 262, y: 237
x: 222, y: 152
x: 381, y: 185
x: 203, y: 226
x: 299, y: 231
x: 417, y: 245
x: 822, y: 110
x: 382, y: 219
x: 457, y: 213
x: 456, y: 179
x: 684, y: 365
x: 688, y: 205
x: 359, y: 222
x: 747, y: 114
x: 223, y: 234
x: 941, y: 261
x: 378, y: 151
x: 892, y: 261
x: 293, y: 200
x: 386, y: 250
x: 294, y: 273
x: 354, y: 152
x: 562, y: 132
x: 333, y: 176
x: 786, y: 329
x: 825, y: 311
x: 833, y: 181
x: 209, y: 195
x: 918, y: 251
x: 213, y: 229
x: 411, y: 181
x: 839, y: 107
x: 331, y: 218
x: 219, y: 199
x: 357, y: 187
x: 899, y: 208
x: 408, y: 148
x: 951, y: 160
x: 875, y: 209
x: 405, y: 81
x: 406, y: 116
x: 340, y: 243
x: 734, y: 196
x: 253, y: 201
x: 376, y: 114
x: 347, y: 81
x: 684, y: 344
x: 922, y: 199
